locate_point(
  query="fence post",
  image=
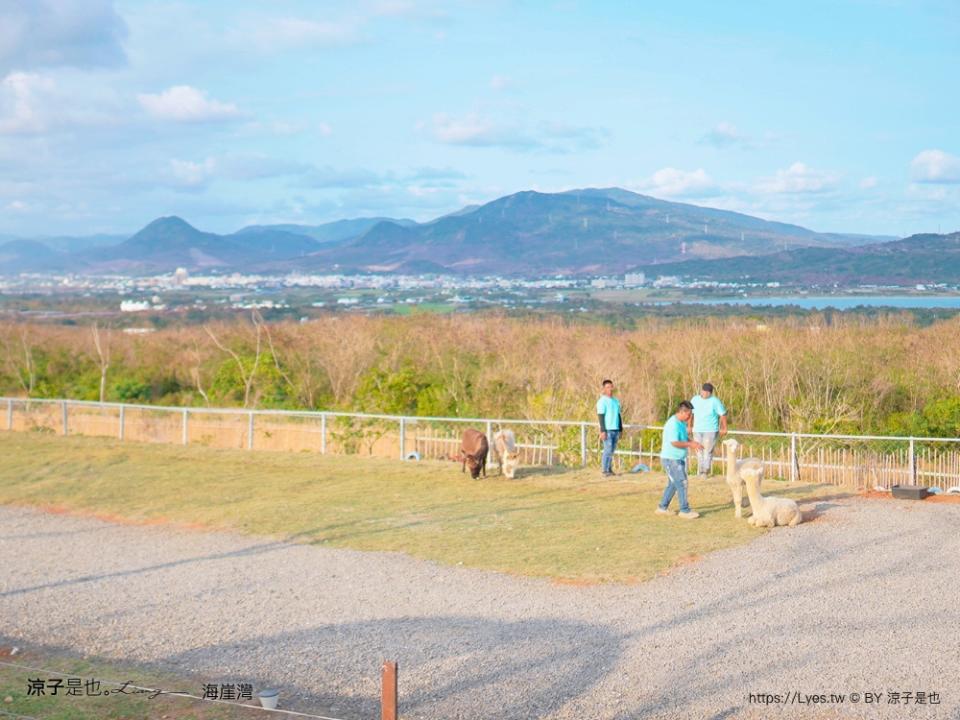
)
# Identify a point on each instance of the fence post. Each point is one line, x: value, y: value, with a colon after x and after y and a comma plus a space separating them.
x: 388, y: 691
x: 65, y: 428
x: 583, y: 444
x: 185, y: 430
x: 122, y: 422
x: 9, y: 414
x: 403, y: 438
x: 250, y: 431
x: 794, y: 468
x: 489, y: 437
x: 323, y: 433
x: 913, y: 462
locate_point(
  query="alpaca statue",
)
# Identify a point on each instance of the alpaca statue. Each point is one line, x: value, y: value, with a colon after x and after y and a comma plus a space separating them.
x: 766, y: 511
x: 738, y: 472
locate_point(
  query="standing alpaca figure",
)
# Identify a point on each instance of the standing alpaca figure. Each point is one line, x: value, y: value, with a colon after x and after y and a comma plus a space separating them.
x: 505, y: 452
x: 767, y: 511
x: 739, y: 472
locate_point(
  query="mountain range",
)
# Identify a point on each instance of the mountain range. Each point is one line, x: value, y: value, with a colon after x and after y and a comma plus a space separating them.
x: 588, y: 232
x: 924, y: 258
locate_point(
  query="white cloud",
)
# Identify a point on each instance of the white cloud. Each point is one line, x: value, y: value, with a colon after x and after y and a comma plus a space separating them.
x: 724, y: 135
x: 183, y: 103
x: 468, y: 129
x: 23, y: 103
x: 799, y: 178
x: 500, y: 82
x: 475, y: 130
x: 671, y: 182
x: 189, y: 174
x: 37, y: 104
x: 63, y: 33
x: 935, y: 167
x: 294, y: 32
x: 324, y: 129
x: 869, y: 182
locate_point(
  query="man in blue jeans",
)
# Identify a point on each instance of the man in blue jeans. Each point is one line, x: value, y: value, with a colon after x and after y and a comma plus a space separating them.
x: 611, y: 425
x: 673, y: 457
x: 709, y: 423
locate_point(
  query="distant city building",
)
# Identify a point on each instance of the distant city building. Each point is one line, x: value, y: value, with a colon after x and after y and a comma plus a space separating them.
x: 666, y: 281
x: 180, y: 276
x: 598, y: 283
x: 634, y: 279
x: 134, y: 305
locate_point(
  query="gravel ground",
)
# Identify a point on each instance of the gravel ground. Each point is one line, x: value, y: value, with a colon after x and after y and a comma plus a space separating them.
x: 863, y: 599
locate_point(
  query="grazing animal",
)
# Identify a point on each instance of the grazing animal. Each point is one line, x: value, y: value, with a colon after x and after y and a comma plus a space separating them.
x: 505, y: 452
x: 739, y: 472
x: 473, y: 452
x: 766, y: 511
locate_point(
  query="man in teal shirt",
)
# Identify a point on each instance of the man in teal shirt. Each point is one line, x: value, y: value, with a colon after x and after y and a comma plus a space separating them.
x: 708, y: 423
x: 673, y: 457
x: 611, y: 425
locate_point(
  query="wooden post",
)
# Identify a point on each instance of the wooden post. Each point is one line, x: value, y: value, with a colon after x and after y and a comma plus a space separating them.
x: 185, y: 429
x: 912, y: 461
x: 388, y: 691
x: 64, y: 406
x: 323, y: 434
x: 403, y: 438
x: 583, y: 444
x: 122, y: 422
x: 250, y: 431
x: 9, y: 414
x: 794, y: 469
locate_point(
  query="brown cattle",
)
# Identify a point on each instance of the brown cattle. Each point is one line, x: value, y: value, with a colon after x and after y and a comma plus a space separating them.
x: 473, y: 452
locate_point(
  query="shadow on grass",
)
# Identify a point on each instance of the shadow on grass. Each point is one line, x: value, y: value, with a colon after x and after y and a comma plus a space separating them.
x: 449, y: 665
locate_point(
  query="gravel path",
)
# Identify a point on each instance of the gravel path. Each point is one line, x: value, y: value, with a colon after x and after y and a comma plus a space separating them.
x: 865, y: 598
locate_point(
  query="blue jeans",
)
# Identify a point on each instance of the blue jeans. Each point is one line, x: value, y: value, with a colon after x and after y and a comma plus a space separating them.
x: 609, y: 446
x: 676, y: 471
x: 705, y: 456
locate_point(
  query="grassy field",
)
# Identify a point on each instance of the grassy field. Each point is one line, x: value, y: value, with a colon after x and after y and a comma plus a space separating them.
x: 569, y: 525
x: 117, y: 703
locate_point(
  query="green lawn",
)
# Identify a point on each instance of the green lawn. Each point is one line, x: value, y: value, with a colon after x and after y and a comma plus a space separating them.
x: 117, y: 704
x: 569, y: 525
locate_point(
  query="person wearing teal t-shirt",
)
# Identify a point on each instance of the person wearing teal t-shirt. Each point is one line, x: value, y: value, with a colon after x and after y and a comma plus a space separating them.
x: 611, y: 425
x: 709, y: 422
x: 673, y: 457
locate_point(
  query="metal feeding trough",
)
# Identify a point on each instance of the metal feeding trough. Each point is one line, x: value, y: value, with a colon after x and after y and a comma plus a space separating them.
x: 909, y: 492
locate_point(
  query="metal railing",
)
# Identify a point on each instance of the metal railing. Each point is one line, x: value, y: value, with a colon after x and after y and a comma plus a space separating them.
x: 863, y: 461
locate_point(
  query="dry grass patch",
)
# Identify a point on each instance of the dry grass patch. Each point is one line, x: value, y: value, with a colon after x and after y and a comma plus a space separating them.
x: 568, y: 524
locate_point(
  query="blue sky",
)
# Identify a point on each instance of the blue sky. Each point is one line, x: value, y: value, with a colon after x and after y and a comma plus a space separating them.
x: 840, y: 116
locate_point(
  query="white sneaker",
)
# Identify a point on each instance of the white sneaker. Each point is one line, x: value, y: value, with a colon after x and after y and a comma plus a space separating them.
x: 689, y: 515
x: 661, y: 511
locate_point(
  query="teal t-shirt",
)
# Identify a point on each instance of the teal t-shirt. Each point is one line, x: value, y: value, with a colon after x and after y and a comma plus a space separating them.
x: 609, y: 407
x: 706, y: 413
x: 674, y: 431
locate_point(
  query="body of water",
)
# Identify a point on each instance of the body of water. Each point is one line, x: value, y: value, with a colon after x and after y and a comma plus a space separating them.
x: 838, y: 302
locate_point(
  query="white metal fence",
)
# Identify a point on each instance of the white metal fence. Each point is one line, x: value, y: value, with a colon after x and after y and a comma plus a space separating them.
x: 862, y: 461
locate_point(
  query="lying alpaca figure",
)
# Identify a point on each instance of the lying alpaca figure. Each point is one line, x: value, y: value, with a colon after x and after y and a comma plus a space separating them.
x: 770, y: 511
x: 738, y: 472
